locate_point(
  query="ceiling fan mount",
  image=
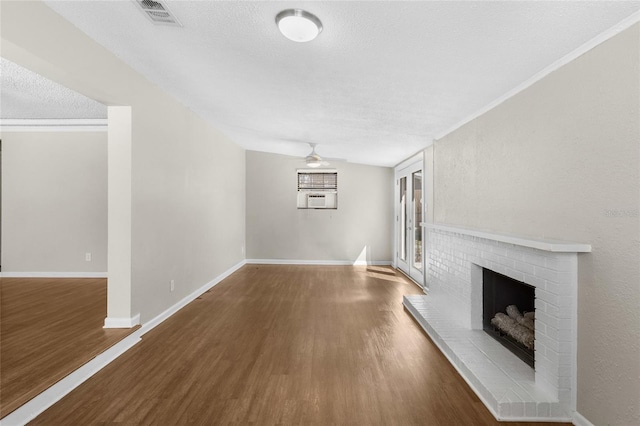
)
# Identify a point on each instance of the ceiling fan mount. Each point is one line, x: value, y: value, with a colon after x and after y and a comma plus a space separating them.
x: 313, y: 159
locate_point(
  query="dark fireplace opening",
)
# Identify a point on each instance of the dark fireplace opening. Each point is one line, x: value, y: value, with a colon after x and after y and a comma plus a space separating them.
x: 508, y: 308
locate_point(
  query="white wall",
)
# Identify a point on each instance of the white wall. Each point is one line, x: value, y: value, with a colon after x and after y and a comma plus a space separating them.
x: 187, y: 179
x: 188, y: 206
x: 54, y: 196
x: 360, y: 229
x: 562, y: 160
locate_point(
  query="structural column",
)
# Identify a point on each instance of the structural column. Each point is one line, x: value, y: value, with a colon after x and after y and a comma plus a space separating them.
x: 119, y: 310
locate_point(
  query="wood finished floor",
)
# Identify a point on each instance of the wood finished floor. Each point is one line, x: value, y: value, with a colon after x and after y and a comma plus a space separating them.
x: 288, y: 345
x: 49, y: 327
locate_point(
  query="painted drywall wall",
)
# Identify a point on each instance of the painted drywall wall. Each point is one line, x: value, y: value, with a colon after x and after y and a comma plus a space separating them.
x: 562, y: 160
x: 54, y: 195
x: 187, y: 179
x: 360, y: 229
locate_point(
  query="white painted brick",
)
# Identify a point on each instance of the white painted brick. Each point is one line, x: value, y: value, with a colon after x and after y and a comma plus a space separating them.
x: 551, y: 332
x: 565, y: 302
x: 489, y: 397
x: 499, y: 268
x: 543, y: 409
x: 540, y: 328
x: 557, y: 411
x: 544, y: 384
x: 547, y: 297
x: 540, y: 350
x: 534, y: 259
x: 553, y: 275
x: 527, y: 279
x: 564, y: 347
x: 516, y: 255
x: 543, y: 340
x: 552, y: 355
x: 504, y: 409
x: 517, y: 409
x: 518, y: 276
x: 499, y: 250
x: 564, y: 370
x: 534, y: 281
x: 547, y: 320
x: 560, y: 289
x: 550, y: 378
x: 525, y: 268
x: 546, y: 274
x: 558, y: 264
x: 522, y: 394
x: 564, y: 382
x: 552, y: 310
x: 542, y: 363
x: 530, y: 409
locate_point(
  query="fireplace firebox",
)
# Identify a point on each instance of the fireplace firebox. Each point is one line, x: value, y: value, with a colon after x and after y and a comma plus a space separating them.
x: 508, y: 313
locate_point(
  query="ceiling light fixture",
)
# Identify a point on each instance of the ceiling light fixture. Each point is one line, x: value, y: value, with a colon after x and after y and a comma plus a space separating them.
x: 313, y: 159
x: 298, y: 25
x: 314, y: 162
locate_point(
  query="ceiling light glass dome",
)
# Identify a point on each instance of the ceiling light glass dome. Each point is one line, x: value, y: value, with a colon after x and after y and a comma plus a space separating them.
x: 298, y: 25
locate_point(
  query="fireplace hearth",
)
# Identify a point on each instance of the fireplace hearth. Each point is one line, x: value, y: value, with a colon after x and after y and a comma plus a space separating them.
x: 508, y: 313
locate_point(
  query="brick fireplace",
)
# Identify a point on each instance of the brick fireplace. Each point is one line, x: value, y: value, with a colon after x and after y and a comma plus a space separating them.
x: 452, y: 315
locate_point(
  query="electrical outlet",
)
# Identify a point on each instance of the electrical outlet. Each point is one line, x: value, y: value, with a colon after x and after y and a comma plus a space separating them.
x: 87, y: 257
x: 173, y: 285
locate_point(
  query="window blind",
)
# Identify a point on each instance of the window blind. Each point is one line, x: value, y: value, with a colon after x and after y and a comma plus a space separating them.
x: 318, y: 180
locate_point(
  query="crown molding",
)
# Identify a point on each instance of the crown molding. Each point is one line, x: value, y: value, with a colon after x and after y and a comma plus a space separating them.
x: 571, y: 56
x: 53, y: 125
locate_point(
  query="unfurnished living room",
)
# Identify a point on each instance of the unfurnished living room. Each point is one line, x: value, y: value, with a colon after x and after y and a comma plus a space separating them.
x: 320, y: 212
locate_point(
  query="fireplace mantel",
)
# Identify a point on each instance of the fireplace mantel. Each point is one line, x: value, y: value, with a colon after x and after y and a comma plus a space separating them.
x: 536, y: 243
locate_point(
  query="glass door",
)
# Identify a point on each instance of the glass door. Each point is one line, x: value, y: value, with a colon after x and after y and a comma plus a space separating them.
x: 408, y: 219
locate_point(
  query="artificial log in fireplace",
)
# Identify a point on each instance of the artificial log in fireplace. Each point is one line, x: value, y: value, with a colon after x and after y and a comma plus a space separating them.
x: 508, y: 313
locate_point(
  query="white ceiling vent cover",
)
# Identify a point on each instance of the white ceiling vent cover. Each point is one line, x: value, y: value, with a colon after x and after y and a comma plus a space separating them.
x: 158, y: 12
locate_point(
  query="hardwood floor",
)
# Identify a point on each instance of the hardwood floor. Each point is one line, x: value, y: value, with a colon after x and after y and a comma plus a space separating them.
x: 48, y: 328
x: 288, y: 345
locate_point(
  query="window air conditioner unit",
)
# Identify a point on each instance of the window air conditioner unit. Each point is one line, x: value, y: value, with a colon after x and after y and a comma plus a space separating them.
x: 317, y: 200
x: 317, y: 189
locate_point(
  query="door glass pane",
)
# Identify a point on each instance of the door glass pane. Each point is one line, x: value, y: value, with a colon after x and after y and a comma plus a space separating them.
x: 403, y: 219
x: 417, y: 219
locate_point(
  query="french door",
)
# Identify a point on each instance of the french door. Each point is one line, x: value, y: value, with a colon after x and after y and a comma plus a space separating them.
x: 408, y: 222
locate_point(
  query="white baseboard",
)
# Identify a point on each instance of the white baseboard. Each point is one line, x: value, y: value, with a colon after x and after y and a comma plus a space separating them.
x: 53, y: 274
x: 110, y: 322
x: 580, y: 420
x: 150, y: 325
x: 46, y: 399
x: 317, y: 262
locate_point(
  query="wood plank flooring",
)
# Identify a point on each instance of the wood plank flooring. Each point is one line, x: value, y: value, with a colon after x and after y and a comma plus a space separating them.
x: 49, y: 327
x: 282, y: 345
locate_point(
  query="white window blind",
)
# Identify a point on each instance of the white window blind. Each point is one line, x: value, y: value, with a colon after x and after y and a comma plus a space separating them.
x: 324, y: 180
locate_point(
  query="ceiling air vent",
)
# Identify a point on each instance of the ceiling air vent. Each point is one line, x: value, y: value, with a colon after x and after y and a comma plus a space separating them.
x: 158, y: 12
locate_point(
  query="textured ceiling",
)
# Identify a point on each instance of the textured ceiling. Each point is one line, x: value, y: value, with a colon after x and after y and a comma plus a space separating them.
x: 26, y: 95
x: 378, y: 84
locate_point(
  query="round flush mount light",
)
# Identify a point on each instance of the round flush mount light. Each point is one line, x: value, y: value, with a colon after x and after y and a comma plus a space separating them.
x: 298, y: 25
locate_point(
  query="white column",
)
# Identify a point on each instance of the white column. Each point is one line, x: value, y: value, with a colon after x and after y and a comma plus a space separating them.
x: 119, y: 313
